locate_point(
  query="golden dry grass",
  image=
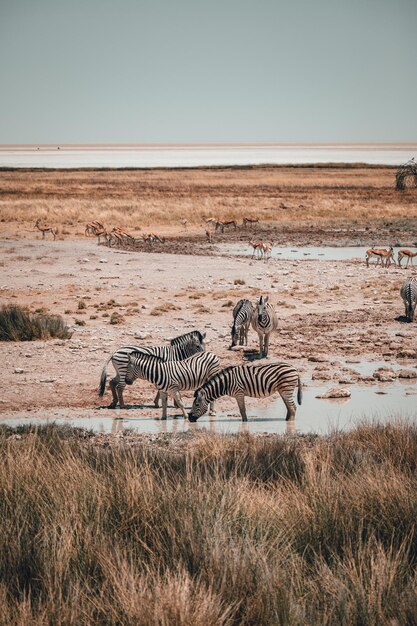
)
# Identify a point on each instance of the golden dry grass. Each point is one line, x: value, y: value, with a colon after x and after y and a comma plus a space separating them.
x: 213, y: 530
x: 139, y: 199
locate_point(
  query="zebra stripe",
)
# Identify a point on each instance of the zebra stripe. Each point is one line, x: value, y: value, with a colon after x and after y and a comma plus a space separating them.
x: 242, y: 315
x: 181, y: 348
x: 255, y: 381
x: 171, y: 377
x: 409, y: 295
x: 264, y: 321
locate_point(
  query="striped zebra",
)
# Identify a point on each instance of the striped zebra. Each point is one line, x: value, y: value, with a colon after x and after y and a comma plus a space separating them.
x: 264, y: 321
x: 255, y: 381
x: 171, y: 377
x: 409, y: 295
x: 181, y: 348
x: 242, y: 315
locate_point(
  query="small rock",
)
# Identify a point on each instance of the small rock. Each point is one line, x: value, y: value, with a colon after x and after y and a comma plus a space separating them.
x: 317, y: 359
x: 335, y: 393
x: 407, y: 354
x: 384, y: 374
x: 103, y: 261
x: 407, y: 374
x: 85, y: 261
x: 47, y: 380
x: 19, y: 370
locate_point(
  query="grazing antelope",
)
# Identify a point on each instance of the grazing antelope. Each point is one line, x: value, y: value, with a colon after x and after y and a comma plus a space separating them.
x: 126, y: 237
x: 249, y: 220
x: 102, y: 233
x: 258, y: 248
x: 157, y: 238
x: 381, y: 254
x: 408, y: 254
x: 44, y: 228
x: 92, y: 228
x: 221, y: 225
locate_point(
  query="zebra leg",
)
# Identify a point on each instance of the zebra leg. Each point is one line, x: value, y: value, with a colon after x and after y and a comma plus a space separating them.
x: 164, y: 398
x: 212, y: 409
x: 178, y: 400
x: 261, y: 345
x: 287, y: 396
x: 266, y: 345
x: 113, y: 384
x: 119, y: 390
x: 156, y: 400
x: 242, y: 408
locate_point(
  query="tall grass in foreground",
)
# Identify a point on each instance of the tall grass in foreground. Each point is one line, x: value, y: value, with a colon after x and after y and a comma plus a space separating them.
x: 232, y: 530
x: 17, y: 324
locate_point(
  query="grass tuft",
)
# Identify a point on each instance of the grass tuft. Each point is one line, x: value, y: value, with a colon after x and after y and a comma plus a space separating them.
x: 17, y: 324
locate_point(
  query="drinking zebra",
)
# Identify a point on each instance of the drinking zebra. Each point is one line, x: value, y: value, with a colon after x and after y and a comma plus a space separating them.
x: 181, y: 348
x: 264, y: 321
x: 242, y: 315
x: 255, y: 381
x: 409, y: 295
x: 171, y: 377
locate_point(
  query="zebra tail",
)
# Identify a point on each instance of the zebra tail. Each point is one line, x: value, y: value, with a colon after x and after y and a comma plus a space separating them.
x: 102, y: 387
x: 300, y: 391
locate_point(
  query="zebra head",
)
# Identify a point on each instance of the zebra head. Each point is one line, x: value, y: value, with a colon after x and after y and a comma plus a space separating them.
x: 261, y: 307
x: 200, y: 405
x: 135, y: 367
x: 235, y: 335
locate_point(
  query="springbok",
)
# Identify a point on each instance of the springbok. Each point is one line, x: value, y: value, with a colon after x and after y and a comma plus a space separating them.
x: 381, y: 254
x: 44, y: 228
x: 408, y: 254
x: 92, y: 228
x: 258, y: 248
x: 249, y: 220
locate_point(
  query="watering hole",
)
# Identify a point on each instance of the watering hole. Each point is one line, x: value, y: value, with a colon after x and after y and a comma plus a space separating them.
x: 347, y: 253
x: 383, y: 402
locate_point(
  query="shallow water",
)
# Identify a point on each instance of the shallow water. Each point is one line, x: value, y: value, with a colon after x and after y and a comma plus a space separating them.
x: 343, y: 253
x: 384, y: 402
x: 194, y: 156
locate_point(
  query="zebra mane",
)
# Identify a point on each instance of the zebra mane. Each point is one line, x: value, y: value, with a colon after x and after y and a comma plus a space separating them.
x: 194, y: 334
x: 138, y: 353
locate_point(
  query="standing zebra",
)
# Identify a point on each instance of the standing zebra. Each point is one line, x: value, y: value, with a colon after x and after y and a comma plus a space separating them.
x: 181, y: 348
x: 255, y: 381
x: 409, y: 295
x: 242, y: 315
x: 264, y: 321
x: 171, y: 377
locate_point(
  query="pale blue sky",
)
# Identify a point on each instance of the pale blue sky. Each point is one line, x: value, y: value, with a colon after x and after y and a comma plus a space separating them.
x: 188, y: 71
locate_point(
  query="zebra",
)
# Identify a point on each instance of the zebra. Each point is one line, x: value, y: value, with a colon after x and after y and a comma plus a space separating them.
x: 171, y: 377
x: 264, y: 321
x: 409, y: 295
x: 242, y: 315
x: 255, y: 381
x: 181, y: 348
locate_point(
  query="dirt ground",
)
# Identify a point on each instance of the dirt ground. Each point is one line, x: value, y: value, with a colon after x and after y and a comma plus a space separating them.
x: 331, y: 314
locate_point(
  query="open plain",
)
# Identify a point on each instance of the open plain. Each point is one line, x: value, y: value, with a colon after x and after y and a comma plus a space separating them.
x: 331, y: 313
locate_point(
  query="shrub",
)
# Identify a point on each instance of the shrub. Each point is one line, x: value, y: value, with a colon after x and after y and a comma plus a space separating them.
x: 18, y: 324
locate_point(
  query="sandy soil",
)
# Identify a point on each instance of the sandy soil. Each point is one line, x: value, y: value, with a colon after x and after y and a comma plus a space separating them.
x: 330, y: 314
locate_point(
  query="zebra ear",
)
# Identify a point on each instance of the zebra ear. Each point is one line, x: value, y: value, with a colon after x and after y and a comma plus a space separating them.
x: 204, y: 335
x: 266, y: 298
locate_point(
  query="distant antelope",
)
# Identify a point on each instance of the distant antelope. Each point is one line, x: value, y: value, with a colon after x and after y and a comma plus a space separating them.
x: 92, y: 228
x: 249, y: 220
x: 211, y: 222
x: 221, y: 225
x: 258, y: 248
x: 102, y: 233
x: 381, y: 255
x: 208, y: 236
x: 267, y: 249
x: 408, y: 254
x: 44, y: 228
x: 126, y: 237
x: 184, y: 222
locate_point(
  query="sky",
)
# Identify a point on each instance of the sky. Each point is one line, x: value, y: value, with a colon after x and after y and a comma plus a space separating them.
x: 212, y: 71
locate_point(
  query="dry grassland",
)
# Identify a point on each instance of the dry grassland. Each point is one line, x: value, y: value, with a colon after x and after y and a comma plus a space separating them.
x: 140, y: 199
